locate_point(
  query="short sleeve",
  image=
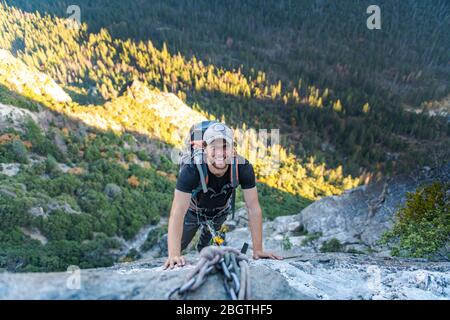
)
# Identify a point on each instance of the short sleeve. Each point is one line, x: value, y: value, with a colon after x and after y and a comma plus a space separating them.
x: 246, y: 175
x: 187, y: 179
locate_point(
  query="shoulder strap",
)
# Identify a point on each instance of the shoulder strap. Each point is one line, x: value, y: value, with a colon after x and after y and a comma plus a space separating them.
x: 233, y: 203
x: 234, y: 183
x: 202, y: 169
x: 234, y: 172
x: 202, y: 188
x: 203, y: 172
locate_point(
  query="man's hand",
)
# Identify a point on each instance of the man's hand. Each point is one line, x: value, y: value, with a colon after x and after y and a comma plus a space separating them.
x: 172, y: 261
x: 265, y: 255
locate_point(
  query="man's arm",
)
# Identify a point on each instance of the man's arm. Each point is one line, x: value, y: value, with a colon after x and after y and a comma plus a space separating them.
x: 180, y: 206
x: 255, y: 223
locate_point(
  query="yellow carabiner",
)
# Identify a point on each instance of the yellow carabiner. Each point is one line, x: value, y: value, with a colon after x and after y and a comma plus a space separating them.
x: 218, y: 240
x: 224, y: 229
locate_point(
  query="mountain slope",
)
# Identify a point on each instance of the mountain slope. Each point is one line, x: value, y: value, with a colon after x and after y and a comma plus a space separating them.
x: 165, y: 118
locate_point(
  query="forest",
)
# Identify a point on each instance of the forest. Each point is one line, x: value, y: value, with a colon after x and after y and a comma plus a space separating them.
x: 342, y: 106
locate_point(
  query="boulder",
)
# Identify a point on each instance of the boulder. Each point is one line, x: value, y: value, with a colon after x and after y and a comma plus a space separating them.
x: 112, y: 190
x: 359, y: 216
x: 37, y: 212
x: 14, y: 117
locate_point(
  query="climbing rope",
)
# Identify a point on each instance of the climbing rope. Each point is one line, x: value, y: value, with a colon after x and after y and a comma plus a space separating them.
x: 232, y: 263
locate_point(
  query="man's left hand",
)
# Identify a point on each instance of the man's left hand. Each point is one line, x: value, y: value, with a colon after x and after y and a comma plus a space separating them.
x: 265, y: 255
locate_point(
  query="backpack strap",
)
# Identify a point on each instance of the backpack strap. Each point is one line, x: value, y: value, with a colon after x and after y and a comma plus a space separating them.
x: 201, y: 188
x: 234, y: 183
x: 203, y: 172
x: 202, y: 169
x: 234, y: 172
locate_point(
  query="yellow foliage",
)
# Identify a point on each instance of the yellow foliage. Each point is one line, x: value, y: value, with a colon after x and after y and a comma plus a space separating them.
x: 28, y: 144
x: 133, y: 181
x: 76, y: 171
x: 7, y: 137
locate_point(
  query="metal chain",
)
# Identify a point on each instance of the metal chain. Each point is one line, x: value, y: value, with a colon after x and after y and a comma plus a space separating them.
x: 232, y: 263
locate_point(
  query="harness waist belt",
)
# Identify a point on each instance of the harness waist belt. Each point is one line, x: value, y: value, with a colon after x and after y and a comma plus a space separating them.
x: 213, y: 212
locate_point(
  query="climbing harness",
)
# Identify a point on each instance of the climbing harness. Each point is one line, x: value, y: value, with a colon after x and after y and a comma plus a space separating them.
x: 232, y: 263
x: 207, y: 222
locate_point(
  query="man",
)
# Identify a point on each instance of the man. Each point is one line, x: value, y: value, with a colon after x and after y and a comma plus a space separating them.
x: 187, y: 212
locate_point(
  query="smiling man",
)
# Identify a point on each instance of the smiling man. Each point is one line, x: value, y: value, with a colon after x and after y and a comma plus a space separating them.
x: 189, y: 209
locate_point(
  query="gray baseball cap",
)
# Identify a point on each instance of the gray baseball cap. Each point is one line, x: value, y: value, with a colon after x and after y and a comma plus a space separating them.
x: 218, y: 131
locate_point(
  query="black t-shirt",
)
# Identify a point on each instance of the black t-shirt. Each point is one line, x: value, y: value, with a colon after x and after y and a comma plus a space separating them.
x: 217, y: 196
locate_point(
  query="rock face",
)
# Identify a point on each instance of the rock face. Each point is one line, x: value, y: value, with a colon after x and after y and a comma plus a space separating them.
x: 360, y: 216
x: 140, y: 280
x: 9, y: 169
x: 345, y: 276
x: 357, y: 219
x: 308, y: 276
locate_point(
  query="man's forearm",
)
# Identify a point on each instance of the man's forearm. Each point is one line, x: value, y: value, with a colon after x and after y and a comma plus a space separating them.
x: 175, y: 231
x: 255, y: 225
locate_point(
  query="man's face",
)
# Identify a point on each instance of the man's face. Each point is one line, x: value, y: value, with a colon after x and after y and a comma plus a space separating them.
x: 218, y: 153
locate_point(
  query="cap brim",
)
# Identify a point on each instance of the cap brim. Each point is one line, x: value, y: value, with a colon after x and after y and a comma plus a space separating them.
x: 227, y: 139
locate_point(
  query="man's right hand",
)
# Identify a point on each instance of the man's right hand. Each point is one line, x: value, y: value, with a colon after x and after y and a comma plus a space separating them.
x: 175, y: 260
